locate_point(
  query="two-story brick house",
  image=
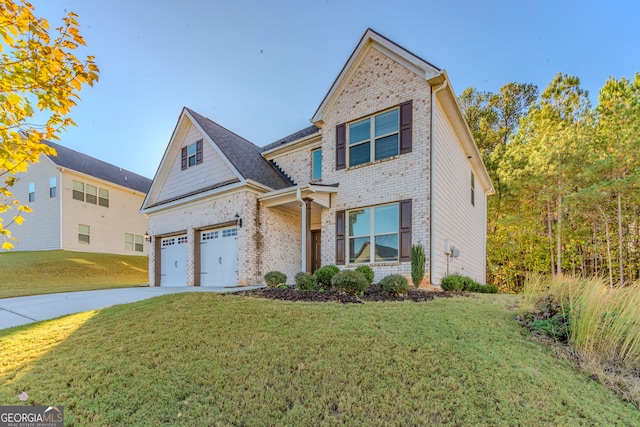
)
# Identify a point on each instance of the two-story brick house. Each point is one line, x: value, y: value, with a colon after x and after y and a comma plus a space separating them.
x: 388, y: 162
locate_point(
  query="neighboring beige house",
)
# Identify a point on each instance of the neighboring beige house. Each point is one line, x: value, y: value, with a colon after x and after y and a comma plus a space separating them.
x: 388, y: 162
x: 80, y: 203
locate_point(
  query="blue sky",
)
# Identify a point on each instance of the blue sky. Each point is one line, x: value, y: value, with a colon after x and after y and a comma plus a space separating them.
x: 261, y: 68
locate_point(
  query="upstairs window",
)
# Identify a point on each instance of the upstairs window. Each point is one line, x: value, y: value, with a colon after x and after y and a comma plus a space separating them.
x: 32, y: 192
x: 473, y: 189
x: 316, y: 164
x: 374, y: 138
x: 103, y: 197
x: 78, y: 190
x: 91, y: 194
x: 53, y: 187
x: 192, y: 155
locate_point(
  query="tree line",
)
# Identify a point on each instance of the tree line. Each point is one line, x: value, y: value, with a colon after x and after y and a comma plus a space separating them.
x: 566, y: 176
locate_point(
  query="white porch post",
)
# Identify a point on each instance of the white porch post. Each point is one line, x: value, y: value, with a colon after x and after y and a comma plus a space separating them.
x: 303, y: 212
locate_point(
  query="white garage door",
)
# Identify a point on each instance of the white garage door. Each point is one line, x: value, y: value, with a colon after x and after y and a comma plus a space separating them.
x: 173, y: 261
x: 219, y: 257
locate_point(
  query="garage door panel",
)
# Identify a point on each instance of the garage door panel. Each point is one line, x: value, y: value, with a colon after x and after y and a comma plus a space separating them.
x: 173, y: 261
x: 219, y: 257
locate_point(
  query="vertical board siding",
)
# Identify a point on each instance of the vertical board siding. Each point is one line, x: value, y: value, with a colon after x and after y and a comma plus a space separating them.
x: 455, y: 218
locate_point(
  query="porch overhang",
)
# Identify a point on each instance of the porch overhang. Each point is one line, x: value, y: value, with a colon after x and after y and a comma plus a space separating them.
x: 317, y: 193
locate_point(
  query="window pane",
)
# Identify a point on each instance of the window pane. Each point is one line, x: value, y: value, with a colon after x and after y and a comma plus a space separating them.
x: 78, y: 195
x: 359, y: 154
x: 52, y: 192
x: 139, y: 247
x: 32, y: 187
x: 316, y: 160
x: 128, y: 237
x: 139, y: 239
x: 386, y: 219
x: 103, y: 193
x: 360, y: 131
x: 104, y: 202
x: 191, y: 150
x: 386, y: 123
x: 84, y: 238
x: 192, y: 160
x: 52, y: 181
x: 360, y: 222
x: 359, y: 249
x: 387, y: 147
x: 92, y: 189
x: 387, y: 248
x: 78, y: 186
x: 128, y: 246
x: 83, y: 229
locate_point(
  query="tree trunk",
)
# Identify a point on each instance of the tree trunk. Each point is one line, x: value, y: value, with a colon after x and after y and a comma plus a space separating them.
x: 550, y: 234
x: 606, y: 230
x: 620, y: 254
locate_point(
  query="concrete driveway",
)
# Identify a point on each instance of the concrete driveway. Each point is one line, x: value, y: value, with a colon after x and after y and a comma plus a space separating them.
x: 22, y: 310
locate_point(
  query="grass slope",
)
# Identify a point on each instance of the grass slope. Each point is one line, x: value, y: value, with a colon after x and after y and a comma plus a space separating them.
x: 208, y: 359
x: 45, y: 272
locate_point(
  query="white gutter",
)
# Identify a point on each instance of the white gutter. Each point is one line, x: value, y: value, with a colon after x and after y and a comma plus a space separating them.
x: 304, y: 229
x: 432, y: 160
x: 60, y: 195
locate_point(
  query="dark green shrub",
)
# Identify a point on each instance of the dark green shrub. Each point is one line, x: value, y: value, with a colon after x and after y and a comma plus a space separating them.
x: 275, y: 278
x: 350, y: 282
x: 418, y: 262
x: 452, y: 282
x: 394, y: 284
x: 306, y: 282
x: 488, y: 289
x: 367, y: 271
x: 325, y: 273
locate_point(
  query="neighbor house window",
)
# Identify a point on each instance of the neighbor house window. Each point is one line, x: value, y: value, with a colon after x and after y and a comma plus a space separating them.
x: 316, y: 164
x: 78, y: 190
x: 473, y: 190
x: 52, y: 187
x: 32, y: 191
x: 373, y: 234
x: 133, y: 242
x: 103, y: 197
x: 83, y: 234
x: 374, y: 138
x: 91, y: 194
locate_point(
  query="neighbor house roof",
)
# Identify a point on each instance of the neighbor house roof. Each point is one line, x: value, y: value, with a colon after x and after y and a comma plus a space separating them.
x: 244, y: 155
x: 73, y: 160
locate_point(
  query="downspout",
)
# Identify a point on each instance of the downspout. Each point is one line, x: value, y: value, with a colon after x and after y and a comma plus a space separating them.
x: 431, y: 186
x: 304, y: 229
x: 60, y: 203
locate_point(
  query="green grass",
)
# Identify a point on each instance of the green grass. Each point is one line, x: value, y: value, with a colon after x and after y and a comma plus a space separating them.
x: 45, y: 272
x: 208, y: 359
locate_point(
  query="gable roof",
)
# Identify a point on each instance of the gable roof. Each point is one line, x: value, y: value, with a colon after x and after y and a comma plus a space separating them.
x: 245, y: 156
x: 389, y: 48
x: 73, y: 160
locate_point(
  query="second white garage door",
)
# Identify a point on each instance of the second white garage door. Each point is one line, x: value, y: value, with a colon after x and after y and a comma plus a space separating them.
x: 219, y: 257
x: 173, y: 261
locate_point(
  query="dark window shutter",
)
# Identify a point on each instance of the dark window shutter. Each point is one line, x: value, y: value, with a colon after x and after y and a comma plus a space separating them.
x: 406, y: 119
x: 340, y: 243
x: 341, y: 146
x: 184, y: 158
x: 405, y: 230
x: 198, y: 152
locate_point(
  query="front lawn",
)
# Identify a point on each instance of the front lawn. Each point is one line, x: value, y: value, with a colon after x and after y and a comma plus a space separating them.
x: 210, y: 359
x: 46, y: 272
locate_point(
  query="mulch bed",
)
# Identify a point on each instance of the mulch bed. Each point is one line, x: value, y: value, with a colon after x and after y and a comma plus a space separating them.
x: 328, y: 295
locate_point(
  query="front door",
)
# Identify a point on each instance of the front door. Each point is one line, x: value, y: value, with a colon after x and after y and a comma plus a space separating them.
x: 316, y: 253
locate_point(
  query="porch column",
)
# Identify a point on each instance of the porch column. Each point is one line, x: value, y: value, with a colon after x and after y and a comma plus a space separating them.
x: 306, y: 235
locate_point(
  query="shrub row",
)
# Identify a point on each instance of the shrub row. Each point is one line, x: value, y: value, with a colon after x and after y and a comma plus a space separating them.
x: 352, y: 282
x: 458, y: 282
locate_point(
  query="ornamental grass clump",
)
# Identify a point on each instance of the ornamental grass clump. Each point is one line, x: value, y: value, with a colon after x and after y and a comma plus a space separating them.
x: 350, y: 282
x: 394, y: 284
x: 273, y: 279
x: 306, y: 282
